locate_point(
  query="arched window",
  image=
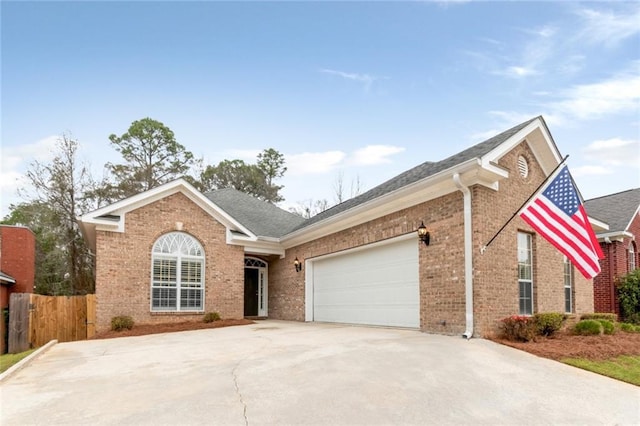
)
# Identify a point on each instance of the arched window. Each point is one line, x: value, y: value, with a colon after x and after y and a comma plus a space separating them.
x: 632, y: 257
x: 177, y: 273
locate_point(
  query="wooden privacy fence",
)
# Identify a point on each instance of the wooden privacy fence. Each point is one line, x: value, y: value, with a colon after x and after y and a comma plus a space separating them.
x: 34, y: 319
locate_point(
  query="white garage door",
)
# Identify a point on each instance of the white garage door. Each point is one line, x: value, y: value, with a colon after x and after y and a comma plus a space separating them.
x: 375, y: 286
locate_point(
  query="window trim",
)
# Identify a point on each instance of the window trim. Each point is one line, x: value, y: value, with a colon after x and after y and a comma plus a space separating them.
x: 567, y: 279
x: 525, y: 281
x: 631, y: 258
x: 194, y: 253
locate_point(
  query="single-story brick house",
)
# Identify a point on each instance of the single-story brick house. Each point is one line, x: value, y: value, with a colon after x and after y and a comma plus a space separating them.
x: 172, y: 253
x: 619, y: 244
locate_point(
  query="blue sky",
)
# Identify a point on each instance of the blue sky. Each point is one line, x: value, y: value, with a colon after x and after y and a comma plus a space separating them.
x: 366, y: 90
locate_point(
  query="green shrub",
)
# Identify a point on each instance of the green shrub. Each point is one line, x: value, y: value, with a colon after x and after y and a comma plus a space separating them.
x: 634, y: 319
x: 629, y: 328
x: 588, y: 327
x: 211, y: 317
x: 122, y: 322
x: 548, y: 323
x: 629, y: 297
x: 518, y: 328
x: 607, y: 326
x: 600, y: 316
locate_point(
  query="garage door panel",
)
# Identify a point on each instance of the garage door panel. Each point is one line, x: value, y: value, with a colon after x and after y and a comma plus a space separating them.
x: 376, y: 286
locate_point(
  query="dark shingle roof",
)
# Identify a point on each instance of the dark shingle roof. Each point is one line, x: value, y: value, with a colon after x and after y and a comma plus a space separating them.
x: 262, y: 218
x: 616, y: 209
x: 417, y: 173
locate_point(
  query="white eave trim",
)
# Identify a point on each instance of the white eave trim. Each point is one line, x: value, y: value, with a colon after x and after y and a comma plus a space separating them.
x: 598, y: 225
x: 527, y: 133
x: 95, y: 220
x: 259, y: 245
x: 616, y: 236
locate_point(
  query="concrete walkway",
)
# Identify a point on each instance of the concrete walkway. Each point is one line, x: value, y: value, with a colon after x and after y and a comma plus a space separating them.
x: 276, y: 372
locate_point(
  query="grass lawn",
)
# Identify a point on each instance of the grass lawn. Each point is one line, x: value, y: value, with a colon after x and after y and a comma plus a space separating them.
x: 7, y: 360
x: 625, y: 367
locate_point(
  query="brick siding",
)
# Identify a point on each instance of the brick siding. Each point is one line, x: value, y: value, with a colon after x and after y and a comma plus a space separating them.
x: 123, y: 264
x: 17, y: 259
x: 442, y: 286
x: 614, y: 265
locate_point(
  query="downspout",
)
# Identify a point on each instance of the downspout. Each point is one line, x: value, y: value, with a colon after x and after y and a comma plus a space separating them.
x: 468, y: 256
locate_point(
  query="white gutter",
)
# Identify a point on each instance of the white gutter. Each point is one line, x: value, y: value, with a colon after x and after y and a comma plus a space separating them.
x: 468, y: 256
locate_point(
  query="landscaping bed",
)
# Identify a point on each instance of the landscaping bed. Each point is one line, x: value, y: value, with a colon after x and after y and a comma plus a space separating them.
x: 144, y: 329
x: 564, y: 344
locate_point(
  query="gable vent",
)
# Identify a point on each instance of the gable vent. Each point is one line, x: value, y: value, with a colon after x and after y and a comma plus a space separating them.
x: 523, y: 166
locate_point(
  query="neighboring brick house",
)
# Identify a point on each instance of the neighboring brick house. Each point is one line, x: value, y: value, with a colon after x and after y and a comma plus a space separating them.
x: 619, y: 244
x: 17, y: 261
x: 172, y: 253
x: 17, y: 268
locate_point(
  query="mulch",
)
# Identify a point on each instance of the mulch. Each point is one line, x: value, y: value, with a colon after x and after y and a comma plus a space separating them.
x: 566, y: 345
x: 144, y: 329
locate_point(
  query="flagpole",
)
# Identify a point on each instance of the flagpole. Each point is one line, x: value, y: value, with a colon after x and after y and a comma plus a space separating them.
x: 484, y: 247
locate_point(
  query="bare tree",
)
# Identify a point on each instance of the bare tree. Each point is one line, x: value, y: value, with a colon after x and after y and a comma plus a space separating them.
x: 339, y: 188
x: 60, y: 186
x: 309, y: 208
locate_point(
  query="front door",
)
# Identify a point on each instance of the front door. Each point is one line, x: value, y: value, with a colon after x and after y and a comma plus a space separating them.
x: 255, y: 287
x: 251, y: 292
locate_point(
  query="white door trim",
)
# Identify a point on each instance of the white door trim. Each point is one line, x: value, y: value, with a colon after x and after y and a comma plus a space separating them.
x: 263, y: 283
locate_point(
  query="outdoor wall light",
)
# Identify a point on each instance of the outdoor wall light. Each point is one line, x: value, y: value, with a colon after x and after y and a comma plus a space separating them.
x: 423, y: 234
x: 297, y: 264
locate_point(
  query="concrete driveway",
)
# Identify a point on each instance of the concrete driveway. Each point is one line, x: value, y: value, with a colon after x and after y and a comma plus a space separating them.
x: 276, y: 372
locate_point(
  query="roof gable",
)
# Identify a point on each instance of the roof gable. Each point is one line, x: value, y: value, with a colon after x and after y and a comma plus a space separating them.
x: 618, y: 209
x: 113, y: 216
x: 485, y: 153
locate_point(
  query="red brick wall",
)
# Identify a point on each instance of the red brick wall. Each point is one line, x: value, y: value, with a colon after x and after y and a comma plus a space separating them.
x: 17, y: 259
x: 496, y: 271
x: 441, y: 263
x: 123, y: 264
x: 442, y: 285
x: 614, y: 265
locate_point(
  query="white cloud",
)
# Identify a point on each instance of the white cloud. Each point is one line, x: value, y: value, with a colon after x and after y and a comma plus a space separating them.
x: 608, y: 27
x: 517, y: 71
x: 590, y: 171
x: 314, y: 162
x: 14, y: 162
x: 374, y: 154
x: 614, y: 152
x: 620, y: 93
x: 366, y: 79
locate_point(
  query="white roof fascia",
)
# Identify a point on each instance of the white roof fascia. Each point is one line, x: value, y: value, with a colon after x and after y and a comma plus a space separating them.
x: 122, y: 207
x: 528, y: 133
x: 259, y: 245
x: 633, y: 217
x: 598, y: 225
x: 617, y: 236
x: 418, y: 192
x: 92, y: 221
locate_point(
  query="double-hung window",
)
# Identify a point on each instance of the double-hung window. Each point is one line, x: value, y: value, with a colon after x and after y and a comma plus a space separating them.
x: 568, y: 285
x: 632, y: 257
x: 177, y: 273
x: 525, y: 274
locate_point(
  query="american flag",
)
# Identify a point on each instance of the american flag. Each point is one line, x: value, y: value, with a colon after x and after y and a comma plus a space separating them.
x: 558, y: 215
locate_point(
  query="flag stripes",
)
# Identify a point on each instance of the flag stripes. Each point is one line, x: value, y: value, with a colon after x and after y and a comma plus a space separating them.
x: 558, y: 215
